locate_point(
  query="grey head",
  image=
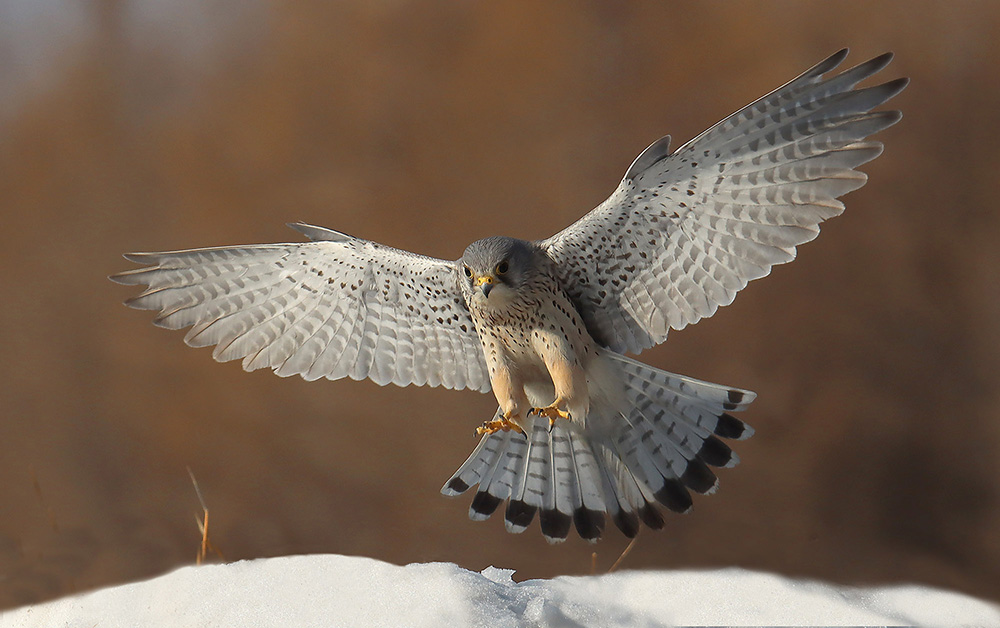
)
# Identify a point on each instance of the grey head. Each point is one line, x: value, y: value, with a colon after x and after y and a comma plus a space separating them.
x: 494, y: 270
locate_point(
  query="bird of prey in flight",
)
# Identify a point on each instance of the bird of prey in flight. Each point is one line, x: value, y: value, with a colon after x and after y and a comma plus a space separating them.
x: 582, y: 432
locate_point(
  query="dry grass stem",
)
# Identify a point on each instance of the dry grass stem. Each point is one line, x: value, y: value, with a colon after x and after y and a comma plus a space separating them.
x: 202, y: 522
x: 628, y: 548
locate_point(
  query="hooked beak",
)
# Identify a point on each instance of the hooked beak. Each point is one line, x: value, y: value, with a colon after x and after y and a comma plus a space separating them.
x: 486, y: 283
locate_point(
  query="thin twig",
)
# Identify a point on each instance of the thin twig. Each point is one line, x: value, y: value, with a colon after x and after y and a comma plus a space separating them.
x: 202, y: 523
x: 197, y: 490
x: 628, y: 548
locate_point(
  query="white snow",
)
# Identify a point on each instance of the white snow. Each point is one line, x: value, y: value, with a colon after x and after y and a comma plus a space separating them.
x: 333, y: 590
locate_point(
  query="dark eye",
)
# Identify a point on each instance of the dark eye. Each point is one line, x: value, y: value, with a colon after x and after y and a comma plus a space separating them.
x: 468, y: 272
x: 502, y: 268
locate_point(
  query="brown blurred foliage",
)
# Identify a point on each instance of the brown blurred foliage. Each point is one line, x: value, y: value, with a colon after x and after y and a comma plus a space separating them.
x: 427, y: 126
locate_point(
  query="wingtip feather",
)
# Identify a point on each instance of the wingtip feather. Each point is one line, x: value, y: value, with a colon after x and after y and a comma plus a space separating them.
x: 126, y: 277
x: 879, y: 63
x: 895, y: 86
x: 139, y: 257
x: 319, y: 234
x: 828, y: 64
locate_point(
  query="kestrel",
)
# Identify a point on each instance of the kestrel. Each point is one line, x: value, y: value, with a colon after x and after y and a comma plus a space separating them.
x: 582, y: 431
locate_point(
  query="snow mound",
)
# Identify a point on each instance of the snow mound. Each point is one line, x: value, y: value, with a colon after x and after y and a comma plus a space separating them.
x: 332, y: 590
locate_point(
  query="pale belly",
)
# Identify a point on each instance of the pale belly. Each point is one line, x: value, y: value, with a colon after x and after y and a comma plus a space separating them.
x: 533, y: 368
x: 537, y: 349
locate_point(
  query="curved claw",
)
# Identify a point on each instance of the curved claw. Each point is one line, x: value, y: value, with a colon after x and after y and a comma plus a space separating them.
x: 551, y: 413
x: 496, y: 425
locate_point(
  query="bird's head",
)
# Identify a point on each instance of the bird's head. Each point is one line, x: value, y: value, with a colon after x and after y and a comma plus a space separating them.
x: 493, y: 270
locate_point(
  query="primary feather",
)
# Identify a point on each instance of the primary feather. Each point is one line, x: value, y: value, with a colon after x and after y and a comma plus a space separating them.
x: 685, y: 231
x: 335, y: 307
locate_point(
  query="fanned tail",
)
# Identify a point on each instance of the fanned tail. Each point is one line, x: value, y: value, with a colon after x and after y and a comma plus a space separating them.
x: 655, y: 447
x: 554, y: 474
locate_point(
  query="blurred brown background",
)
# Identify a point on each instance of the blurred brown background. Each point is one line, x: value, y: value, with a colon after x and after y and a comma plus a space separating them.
x: 151, y: 125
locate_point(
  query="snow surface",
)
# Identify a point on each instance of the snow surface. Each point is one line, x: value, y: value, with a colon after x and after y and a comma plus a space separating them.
x: 333, y: 590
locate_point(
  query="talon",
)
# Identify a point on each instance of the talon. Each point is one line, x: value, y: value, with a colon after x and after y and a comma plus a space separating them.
x: 551, y: 413
x: 496, y: 425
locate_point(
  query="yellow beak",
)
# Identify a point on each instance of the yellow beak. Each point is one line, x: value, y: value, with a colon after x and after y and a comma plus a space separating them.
x: 486, y: 283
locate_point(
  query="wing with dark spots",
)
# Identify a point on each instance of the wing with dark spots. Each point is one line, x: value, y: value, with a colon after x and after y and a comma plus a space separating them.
x: 685, y: 231
x: 336, y: 307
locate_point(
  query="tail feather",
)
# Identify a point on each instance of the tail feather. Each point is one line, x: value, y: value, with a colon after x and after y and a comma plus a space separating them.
x: 538, y: 489
x: 671, y: 432
x: 502, y: 482
x: 645, y: 506
x: 702, y: 404
x: 624, y: 490
x: 491, y: 487
x: 663, y: 443
x: 588, y: 516
x: 660, y: 468
x: 680, y: 387
x: 652, y: 449
x: 638, y: 459
x: 554, y: 486
x: 473, y: 469
x: 519, y: 512
x: 557, y: 517
x: 684, y: 429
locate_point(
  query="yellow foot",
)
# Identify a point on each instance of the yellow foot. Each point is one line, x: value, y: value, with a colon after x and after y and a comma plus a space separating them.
x: 496, y: 425
x: 551, y: 413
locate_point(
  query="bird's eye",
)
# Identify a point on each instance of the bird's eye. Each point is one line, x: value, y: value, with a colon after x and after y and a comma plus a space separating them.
x: 502, y: 268
x: 468, y: 271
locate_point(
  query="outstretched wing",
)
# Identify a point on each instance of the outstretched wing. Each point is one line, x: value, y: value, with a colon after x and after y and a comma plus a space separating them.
x: 685, y: 231
x: 335, y: 307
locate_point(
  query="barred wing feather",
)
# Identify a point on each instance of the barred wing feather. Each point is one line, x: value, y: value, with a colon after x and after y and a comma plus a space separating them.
x: 685, y: 231
x: 335, y: 307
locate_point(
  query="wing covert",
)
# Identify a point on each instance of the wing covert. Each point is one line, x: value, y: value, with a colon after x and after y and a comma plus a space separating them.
x: 335, y: 307
x: 685, y: 231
